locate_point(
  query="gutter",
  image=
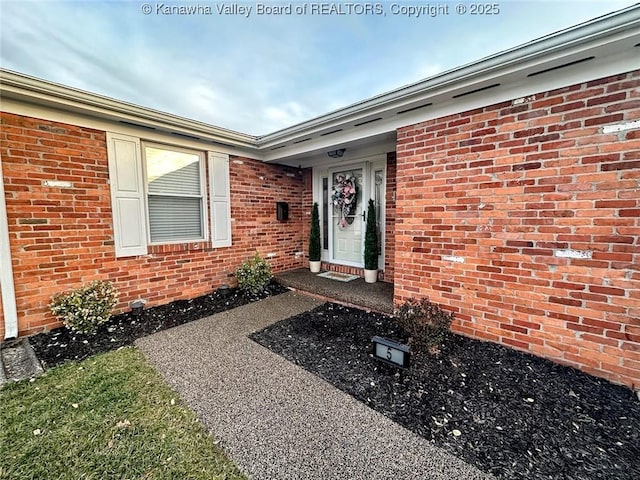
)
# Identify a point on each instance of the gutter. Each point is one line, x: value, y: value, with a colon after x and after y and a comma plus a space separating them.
x: 9, y: 309
x: 36, y: 90
x: 562, y: 41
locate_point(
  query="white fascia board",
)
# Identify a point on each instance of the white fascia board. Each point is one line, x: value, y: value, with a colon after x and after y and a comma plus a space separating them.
x: 53, y: 114
x: 7, y: 286
x: 537, y: 55
x: 595, y: 69
x: 41, y: 92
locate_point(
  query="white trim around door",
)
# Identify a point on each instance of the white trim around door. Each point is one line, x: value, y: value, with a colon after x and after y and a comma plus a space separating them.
x: 372, y: 185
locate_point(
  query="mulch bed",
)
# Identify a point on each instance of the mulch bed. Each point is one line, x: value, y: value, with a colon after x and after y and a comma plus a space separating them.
x: 61, y: 345
x: 509, y: 413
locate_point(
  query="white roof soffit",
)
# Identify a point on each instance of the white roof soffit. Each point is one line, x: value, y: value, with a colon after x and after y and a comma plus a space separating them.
x: 33, y: 90
x: 604, y: 46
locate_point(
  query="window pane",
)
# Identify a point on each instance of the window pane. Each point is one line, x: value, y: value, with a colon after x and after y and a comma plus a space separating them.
x: 379, y: 188
x: 175, y: 200
x: 175, y: 218
x: 170, y: 172
x: 325, y: 213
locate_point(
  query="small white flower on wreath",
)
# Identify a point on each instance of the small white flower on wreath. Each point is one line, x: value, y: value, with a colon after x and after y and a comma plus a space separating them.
x: 345, y: 193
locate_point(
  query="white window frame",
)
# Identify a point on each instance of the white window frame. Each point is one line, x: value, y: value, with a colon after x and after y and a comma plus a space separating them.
x: 370, y: 164
x: 129, y: 194
x: 203, y: 192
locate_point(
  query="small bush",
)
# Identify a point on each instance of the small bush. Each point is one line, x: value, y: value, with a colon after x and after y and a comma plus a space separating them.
x: 85, y: 308
x: 254, y: 274
x: 426, y: 323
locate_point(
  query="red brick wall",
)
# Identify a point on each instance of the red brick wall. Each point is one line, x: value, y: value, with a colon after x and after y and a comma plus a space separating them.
x: 507, y: 186
x: 61, y: 238
x: 390, y: 218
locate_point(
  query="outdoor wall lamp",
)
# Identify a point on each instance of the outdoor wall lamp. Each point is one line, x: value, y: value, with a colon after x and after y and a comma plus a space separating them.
x: 336, y: 153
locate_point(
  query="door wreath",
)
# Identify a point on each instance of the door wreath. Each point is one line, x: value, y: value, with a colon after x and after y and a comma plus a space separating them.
x: 345, y: 195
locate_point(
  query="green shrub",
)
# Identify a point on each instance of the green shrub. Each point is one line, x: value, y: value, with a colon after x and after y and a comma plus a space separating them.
x: 254, y: 274
x: 371, y: 248
x: 85, y: 308
x: 426, y: 323
x: 314, y: 236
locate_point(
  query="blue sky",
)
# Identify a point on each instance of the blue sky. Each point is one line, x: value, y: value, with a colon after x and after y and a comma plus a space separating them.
x: 259, y: 73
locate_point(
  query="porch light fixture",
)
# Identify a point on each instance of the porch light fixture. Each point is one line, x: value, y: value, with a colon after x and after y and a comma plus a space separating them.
x: 336, y: 153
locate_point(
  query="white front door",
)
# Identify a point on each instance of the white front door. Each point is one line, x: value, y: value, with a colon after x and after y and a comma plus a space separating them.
x: 343, y: 228
x: 346, y: 225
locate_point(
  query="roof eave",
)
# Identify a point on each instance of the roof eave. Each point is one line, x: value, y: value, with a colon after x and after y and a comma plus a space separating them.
x: 34, y: 90
x: 549, y: 47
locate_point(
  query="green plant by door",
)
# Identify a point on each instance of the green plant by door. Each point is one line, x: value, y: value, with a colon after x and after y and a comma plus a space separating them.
x: 371, y: 247
x: 314, y: 235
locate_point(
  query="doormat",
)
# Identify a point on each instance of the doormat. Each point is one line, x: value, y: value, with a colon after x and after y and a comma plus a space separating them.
x: 341, y: 277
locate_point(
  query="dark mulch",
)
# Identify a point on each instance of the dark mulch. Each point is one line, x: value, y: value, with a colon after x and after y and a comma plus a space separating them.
x: 509, y: 413
x: 61, y: 345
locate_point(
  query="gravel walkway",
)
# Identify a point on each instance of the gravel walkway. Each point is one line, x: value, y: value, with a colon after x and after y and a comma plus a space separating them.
x: 278, y: 421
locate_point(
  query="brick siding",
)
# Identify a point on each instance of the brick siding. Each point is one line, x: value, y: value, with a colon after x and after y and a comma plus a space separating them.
x: 506, y: 189
x: 62, y: 237
x: 500, y: 191
x: 390, y: 218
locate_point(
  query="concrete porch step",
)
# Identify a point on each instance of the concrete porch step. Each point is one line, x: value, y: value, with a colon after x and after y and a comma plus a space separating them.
x: 371, y: 296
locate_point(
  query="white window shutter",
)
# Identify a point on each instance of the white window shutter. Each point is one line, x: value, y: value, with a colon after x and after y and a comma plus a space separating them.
x: 127, y: 195
x: 220, y: 199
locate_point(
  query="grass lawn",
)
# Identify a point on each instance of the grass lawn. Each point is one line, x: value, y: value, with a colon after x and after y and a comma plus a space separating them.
x: 109, y: 416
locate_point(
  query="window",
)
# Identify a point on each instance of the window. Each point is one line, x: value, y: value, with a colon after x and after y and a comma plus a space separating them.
x: 175, y: 199
x: 159, y: 195
x: 379, y: 201
x: 325, y: 213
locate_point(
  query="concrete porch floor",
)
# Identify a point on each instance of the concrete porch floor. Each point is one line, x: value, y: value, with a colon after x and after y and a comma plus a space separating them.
x: 374, y: 296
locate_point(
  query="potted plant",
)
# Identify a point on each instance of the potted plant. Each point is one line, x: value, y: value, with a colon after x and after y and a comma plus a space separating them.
x: 314, y: 241
x: 371, y: 249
